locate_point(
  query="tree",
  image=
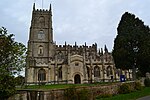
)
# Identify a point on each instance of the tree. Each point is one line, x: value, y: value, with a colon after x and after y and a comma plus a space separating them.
x: 132, y: 44
x: 20, y: 80
x: 12, y: 60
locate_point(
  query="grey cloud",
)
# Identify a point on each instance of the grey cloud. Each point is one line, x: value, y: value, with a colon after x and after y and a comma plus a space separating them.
x: 74, y: 20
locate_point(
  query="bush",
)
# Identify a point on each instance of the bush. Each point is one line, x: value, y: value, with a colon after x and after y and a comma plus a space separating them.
x: 124, y: 88
x: 137, y: 86
x: 73, y: 94
x: 83, y: 94
x: 7, y: 86
x: 147, y: 82
x: 104, y: 96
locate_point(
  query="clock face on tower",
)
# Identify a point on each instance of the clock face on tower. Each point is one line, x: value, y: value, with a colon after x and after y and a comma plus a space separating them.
x: 41, y: 35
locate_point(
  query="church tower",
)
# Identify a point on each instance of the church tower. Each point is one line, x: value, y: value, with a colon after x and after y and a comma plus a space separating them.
x: 40, y: 44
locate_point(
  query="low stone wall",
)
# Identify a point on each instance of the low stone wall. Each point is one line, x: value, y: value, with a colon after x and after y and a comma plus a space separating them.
x: 58, y: 94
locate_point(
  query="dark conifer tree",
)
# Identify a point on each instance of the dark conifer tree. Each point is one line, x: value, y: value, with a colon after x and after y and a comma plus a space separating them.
x: 132, y: 44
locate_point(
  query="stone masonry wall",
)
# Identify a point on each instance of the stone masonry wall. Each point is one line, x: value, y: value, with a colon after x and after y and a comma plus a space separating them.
x: 58, y: 94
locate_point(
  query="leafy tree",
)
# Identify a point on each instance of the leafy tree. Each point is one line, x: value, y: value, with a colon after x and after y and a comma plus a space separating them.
x: 12, y: 60
x: 132, y: 44
x: 20, y: 80
x: 7, y: 86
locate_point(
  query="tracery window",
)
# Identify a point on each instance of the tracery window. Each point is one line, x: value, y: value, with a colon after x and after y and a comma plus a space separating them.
x: 60, y: 55
x: 109, y: 70
x: 96, y: 71
x: 88, y: 71
x: 60, y: 73
x: 41, y: 75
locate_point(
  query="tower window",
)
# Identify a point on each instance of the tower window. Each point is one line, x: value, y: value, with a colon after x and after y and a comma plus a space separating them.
x: 41, y: 35
x: 40, y: 50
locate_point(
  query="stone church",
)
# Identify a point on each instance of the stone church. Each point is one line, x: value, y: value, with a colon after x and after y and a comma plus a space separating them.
x: 50, y: 63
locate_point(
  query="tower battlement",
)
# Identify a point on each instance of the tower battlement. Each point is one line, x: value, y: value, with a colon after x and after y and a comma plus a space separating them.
x: 93, y: 47
x: 41, y: 10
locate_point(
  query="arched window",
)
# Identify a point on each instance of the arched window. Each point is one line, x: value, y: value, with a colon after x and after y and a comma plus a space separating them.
x: 96, y: 71
x: 40, y: 50
x: 60, y: 55
x: 88, y: 71
x: 60, y: 73
x: 109, y: 70
x: 41, y: 75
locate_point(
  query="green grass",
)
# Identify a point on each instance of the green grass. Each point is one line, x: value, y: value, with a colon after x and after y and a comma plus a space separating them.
x: 62, y: 86
x: 129, y: 96
x: 53, y: 86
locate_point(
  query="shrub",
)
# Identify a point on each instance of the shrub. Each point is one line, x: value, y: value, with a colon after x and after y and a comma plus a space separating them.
x: 104, y: 96
x: 147, y: 82
x: 137, y: 86
x: 83, y: 94
x: 124, y: 88
x: 73, y: 94
x: 70, y: 94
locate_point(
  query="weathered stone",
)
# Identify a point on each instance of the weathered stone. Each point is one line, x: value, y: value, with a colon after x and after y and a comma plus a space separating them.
x: 58, y: 94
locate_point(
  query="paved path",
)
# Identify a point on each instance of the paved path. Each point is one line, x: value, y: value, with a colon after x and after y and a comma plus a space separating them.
x: 144, y: 98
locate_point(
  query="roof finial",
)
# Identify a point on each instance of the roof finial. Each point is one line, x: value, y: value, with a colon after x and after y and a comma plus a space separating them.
x: 102, y: 51
x: 65, y: 43
x: 50, y: 8
x: 106, y: 50
x: 85, y: 44
x: 34, y: 6
x: 75, y: 44
x: 99, y: 52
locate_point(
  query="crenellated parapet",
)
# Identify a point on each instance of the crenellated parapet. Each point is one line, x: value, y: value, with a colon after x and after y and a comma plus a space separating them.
x: 89, y: 53
x: 76, y: 48
x: 41, y: 10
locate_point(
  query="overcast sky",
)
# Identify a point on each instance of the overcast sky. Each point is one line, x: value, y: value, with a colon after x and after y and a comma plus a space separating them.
x: 74, y: 20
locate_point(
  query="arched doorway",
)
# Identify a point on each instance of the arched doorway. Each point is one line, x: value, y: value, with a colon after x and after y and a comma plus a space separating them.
x: 77, y: 79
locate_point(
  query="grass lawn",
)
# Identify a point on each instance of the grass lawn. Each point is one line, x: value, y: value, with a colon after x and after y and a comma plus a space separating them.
x: 62, y: 86
x: 53, y: 86
x: 130, y: 96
